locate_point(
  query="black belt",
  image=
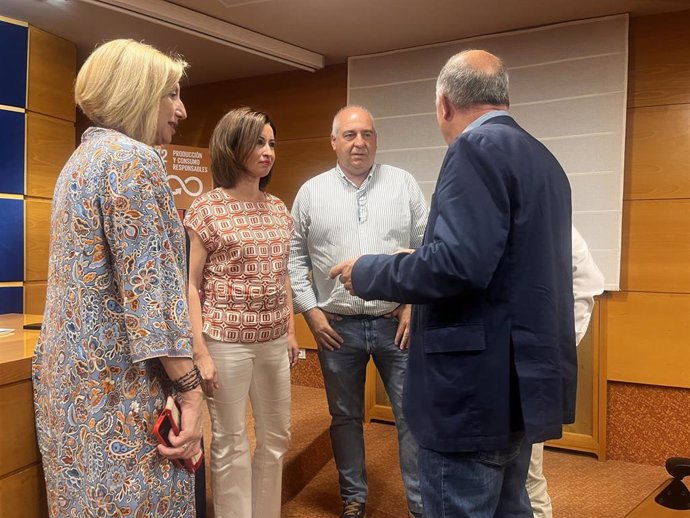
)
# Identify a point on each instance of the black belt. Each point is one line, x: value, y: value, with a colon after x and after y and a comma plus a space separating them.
x: 358, y: 317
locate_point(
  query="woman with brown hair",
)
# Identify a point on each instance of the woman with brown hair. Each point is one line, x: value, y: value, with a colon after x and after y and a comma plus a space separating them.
x: 244, y: 341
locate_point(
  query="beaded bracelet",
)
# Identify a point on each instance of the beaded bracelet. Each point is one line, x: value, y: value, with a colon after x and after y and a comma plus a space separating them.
x: 188, y: 381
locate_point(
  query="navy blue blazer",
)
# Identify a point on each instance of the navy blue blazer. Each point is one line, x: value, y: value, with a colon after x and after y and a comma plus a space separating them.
x: 492, y: 344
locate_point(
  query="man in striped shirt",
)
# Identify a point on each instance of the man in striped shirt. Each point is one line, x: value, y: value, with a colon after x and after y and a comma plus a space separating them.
x: 358, y: 207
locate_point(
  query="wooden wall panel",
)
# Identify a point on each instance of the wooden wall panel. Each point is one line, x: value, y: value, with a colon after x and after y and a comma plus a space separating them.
x: 49, y: 143
x: 35, y: 297
x: 659, y: 60
x: 37, y: 239
x: 657, y: 158
x: 647, y: 337
x: 656, y: 246
x: 301, y: 104
x: 23, y: 494
x: 52, y: 69
x: 296, y: 162
x: 18, y: 440
x: 646, y: 330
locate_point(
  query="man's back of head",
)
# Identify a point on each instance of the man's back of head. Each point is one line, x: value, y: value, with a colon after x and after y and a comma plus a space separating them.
x: 474, y: 77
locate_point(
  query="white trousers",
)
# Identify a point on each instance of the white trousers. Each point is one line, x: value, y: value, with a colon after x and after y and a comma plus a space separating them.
x: 242, y: 487
x: 536, y: 484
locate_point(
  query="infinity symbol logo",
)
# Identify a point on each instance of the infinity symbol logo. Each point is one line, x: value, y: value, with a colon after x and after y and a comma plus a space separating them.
x: 183, y: 185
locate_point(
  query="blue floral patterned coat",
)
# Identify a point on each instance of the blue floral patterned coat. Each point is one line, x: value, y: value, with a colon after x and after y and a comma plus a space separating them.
x: 115, y: 304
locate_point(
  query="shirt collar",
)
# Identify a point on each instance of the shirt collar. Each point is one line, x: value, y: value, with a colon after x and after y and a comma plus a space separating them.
x: 364, y: 183
x: 485, y: 117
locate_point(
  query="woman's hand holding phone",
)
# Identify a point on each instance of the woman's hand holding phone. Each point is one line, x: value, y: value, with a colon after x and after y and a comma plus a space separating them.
x: 179, y: 430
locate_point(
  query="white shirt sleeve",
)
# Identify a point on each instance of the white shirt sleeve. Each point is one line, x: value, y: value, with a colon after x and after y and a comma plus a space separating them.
x: 299, y: 264
x: 587, y: 282
x: 418, y: 213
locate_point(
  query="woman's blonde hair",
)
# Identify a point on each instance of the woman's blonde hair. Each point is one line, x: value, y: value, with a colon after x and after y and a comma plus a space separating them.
x: 121, y: 84
x: 232, y: 142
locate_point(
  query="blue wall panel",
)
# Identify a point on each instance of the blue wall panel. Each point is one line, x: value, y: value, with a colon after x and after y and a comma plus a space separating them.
x: 13, y: 49
x: 12, y: 152
x: 11, y: 300
x: 11, y: 240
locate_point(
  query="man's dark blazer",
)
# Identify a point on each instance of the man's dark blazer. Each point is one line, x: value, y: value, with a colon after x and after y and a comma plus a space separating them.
x: 492, y: 343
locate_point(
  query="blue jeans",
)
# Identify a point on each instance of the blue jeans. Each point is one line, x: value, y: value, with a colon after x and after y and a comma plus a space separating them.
x: 344, y: 374
x: 482, y: 484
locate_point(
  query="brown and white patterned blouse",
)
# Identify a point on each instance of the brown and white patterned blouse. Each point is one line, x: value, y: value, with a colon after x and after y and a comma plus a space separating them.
x: 244, y: 277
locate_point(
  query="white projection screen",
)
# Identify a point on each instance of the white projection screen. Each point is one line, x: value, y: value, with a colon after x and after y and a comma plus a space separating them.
x: 568, y: 88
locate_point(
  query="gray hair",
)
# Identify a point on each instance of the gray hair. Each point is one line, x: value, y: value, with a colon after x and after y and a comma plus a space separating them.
x: 334, y: 128
x: 465, y: 86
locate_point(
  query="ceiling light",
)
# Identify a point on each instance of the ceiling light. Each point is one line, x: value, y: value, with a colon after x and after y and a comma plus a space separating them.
x: 204, y: 26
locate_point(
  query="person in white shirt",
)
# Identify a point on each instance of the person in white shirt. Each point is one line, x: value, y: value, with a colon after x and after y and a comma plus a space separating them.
x: 587, y: 283
x: 358, y: 207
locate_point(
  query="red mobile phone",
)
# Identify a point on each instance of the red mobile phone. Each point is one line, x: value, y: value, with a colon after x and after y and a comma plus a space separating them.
x: 169, y: 420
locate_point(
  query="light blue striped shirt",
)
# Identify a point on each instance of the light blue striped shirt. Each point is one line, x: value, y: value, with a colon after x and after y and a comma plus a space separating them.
x: 336, y: 220
x: 485, y: 117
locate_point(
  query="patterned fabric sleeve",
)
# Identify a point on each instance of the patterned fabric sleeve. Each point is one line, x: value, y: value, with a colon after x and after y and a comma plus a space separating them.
x: 194, y: 220
x: 290, y: 221
x: 145, y: 237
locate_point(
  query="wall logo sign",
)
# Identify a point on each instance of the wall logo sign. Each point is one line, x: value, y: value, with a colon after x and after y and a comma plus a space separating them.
x: 189, y: 172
